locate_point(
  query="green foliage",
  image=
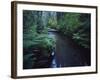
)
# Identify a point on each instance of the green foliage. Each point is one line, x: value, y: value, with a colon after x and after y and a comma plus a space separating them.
x: 82, y: 35
x: 29, y: 36
x: 72, y: 21
x: 68, y: 23
x: 77, y: 26
x: 32, y: 24
x: 82, y: 39
x: 46, y: 42
x: 37, y: 23
x: 52, y: 23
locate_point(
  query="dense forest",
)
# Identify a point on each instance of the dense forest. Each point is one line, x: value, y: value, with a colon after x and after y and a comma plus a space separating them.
x: 38, y: 45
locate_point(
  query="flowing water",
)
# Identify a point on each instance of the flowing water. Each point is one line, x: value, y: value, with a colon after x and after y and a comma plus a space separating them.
x: 67, y: 53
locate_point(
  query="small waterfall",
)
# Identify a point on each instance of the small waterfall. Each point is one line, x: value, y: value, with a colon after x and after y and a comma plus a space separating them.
x: 53, y: 63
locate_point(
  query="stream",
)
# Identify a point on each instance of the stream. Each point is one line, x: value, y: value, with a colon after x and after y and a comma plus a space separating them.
x: 67, y: 53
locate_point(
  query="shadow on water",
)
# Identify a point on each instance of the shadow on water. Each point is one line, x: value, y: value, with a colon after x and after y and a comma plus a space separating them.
x: 67, y: 53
